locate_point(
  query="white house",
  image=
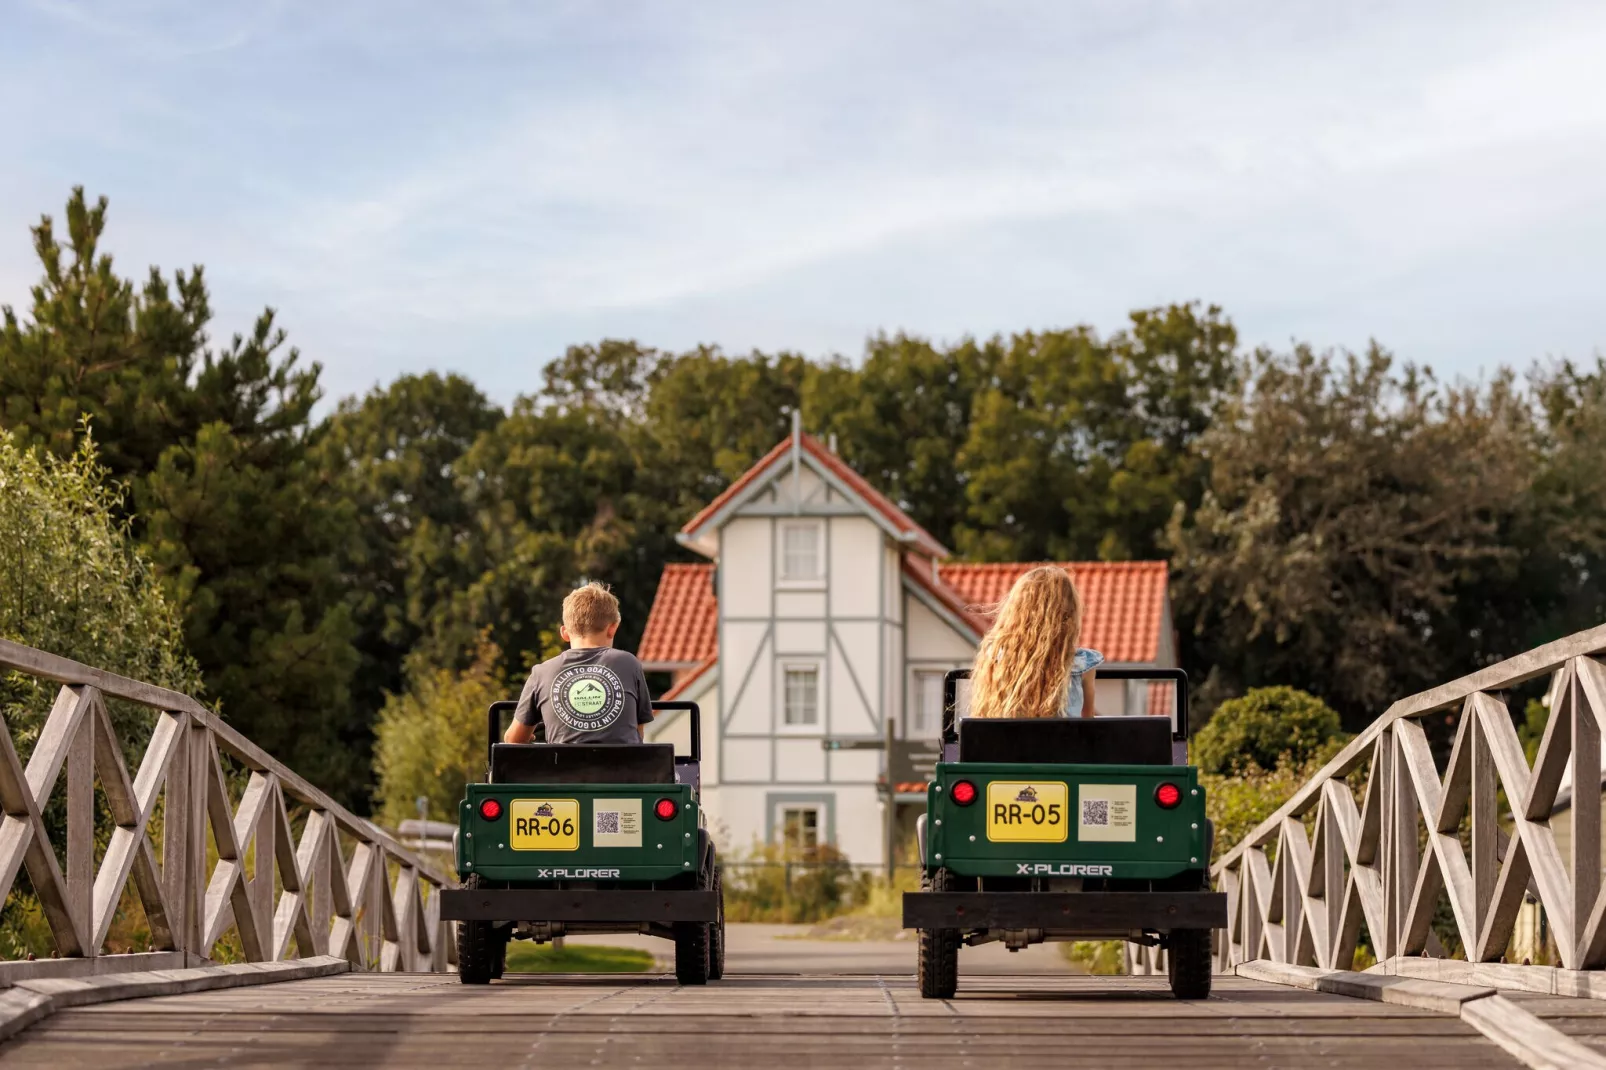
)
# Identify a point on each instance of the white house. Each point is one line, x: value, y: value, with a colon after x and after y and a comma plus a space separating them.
x: 824, y: 611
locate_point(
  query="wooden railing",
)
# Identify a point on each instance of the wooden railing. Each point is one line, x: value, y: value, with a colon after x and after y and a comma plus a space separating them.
x: 1385, y: 859
x: 343, y: 887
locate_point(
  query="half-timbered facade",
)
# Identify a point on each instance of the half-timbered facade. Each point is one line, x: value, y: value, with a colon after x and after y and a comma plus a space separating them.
x: 815, y: 640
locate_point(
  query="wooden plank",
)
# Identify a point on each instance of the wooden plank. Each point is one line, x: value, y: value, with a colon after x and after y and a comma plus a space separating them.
x: 1536, y: 1043
x: 1502, y: 675
x: 66, y: 671
x: 1590, y: 692
x: 80, y: 756
x: 1555, y: 887
x: 1453, y: 875
x: 1586, y: 858
x: 1555, y: 748
x: 23, y: 842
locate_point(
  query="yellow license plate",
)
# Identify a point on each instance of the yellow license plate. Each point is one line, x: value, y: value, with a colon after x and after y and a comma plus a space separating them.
x: 545, y: 825
x: 1027, y: 811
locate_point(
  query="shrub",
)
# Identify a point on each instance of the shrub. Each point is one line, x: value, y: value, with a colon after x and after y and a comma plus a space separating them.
x: 768, y: 884
x: 430, y: 740
x: 1262, y: 727
x: 73, y: 583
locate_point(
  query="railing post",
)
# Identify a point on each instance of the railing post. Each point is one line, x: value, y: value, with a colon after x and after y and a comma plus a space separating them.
x: 1586, y: 811
x: 81, y: 829
x: 1485, y: 818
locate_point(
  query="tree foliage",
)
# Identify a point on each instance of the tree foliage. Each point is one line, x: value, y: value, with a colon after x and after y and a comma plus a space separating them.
x: 73, y: 582
x: 1264, y: 728
x: 430, y: 740
x: 1349, y: 510
x: 212, y: 445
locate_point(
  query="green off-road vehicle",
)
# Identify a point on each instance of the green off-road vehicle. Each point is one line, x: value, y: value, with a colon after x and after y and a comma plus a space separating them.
x: 567, y: 838
x: 1068, y: 829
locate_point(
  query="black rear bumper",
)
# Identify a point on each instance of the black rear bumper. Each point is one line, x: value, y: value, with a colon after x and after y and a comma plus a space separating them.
x: 601, y: 905
x: 1080, y: 911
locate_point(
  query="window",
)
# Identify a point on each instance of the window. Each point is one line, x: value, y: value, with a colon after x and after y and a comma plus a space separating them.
x: 925, y: 712
x: 800, y: 551
x: 800, y: 830
x: 801, y: 700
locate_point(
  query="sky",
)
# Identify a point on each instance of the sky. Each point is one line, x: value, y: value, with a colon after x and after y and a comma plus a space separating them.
x: 474, y: 186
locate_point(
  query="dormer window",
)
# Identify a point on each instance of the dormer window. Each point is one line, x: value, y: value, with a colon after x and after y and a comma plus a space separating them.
x: 800, y: 551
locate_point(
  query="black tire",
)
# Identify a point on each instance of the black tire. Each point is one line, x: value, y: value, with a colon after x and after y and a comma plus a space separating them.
x: 479, y: 948
x: 502, y: 939
x: 938, y: 962
x: 1188, y: 963
x: 691, y: 952
x: 716, y: 935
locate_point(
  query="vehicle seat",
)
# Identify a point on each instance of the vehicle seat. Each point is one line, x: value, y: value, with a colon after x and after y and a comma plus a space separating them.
x: 583, y: 763
x: 1066, y: 740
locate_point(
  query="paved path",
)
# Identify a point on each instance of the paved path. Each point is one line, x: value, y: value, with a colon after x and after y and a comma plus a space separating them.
x: 853, y: 1021
x: 781, y: 949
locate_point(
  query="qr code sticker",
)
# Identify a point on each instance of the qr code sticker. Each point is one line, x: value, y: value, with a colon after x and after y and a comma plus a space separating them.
x: 607, y: 821
x: 1096, y: 812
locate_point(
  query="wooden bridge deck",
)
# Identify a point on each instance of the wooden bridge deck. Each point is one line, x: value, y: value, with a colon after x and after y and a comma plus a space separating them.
x: 394, y: 1020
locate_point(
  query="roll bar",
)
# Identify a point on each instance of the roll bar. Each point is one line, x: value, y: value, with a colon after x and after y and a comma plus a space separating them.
x: 1179, y: 734
x: 493, y: 724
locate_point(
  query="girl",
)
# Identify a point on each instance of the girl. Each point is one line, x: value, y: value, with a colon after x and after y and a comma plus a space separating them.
x: 1029, y: 665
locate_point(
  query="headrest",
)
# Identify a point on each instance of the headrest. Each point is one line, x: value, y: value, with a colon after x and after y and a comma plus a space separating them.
x: 1066, y: 740
x: 583, y: 763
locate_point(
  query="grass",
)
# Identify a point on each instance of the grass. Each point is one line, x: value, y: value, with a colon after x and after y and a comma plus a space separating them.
x: 525, y: 957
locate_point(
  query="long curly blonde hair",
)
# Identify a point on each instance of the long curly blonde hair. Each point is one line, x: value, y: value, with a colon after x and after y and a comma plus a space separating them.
x: 1024, y: 662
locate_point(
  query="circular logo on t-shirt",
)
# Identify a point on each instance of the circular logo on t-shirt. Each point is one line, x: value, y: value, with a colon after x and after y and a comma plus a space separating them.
x: 588, y: 698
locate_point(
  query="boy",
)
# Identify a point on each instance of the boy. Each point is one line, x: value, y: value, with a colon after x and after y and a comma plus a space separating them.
x: 590, y: 693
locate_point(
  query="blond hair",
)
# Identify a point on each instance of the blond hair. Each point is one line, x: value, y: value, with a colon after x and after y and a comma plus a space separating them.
x: 1024, y: 663
x: 590, y: 610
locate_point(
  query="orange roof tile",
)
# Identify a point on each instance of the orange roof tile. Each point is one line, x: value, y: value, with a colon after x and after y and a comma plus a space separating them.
x: 900, y: 520
x: 683, y: 626
x: 1123, y: 601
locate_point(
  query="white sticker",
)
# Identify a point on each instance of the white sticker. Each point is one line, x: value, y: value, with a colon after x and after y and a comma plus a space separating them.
x: 616, y: 823
x: 1107, y: 812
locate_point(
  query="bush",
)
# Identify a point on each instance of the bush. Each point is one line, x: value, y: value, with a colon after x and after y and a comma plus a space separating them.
x: 768, y: 884
x: 73, y: 583
x: 430, y: 740
x: 1261, y: 728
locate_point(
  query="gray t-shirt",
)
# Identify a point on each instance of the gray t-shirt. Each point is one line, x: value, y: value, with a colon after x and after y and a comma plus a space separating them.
x: 597, y: 695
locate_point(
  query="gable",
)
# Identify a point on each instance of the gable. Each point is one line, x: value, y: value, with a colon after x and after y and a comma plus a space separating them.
x: 776, y: 485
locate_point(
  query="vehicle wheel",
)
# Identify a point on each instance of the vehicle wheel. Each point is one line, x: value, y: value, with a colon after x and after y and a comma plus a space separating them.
x: 691, y: 952
x: 716, y: 935
x: 1188, y: 963
x: 938, y: 962
x: 478, y: 950
x: 503, y: 937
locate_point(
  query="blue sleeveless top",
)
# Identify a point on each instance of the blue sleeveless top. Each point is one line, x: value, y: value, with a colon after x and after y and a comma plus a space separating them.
x: 1084, y: 661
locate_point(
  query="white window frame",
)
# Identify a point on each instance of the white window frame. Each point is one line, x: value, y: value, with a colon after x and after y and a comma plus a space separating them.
x: 783, y: 577
x: 803, y: 729
x: 784, y: 808
x: 911, y: 731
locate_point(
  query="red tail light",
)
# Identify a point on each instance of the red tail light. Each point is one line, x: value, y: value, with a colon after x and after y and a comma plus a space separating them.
x: 666, y: 809
x: 963, y: 792
x: 490, y: 809
x: 1167, y: 796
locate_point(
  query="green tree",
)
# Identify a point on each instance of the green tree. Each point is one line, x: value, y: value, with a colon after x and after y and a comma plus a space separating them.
x: 899, y: 418
x: 394, y: 455
x: 1079, y: 447
x: 1264, y: 727
x: 431, y: 737
x: 212, y: 445
x: 1349, y: 509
